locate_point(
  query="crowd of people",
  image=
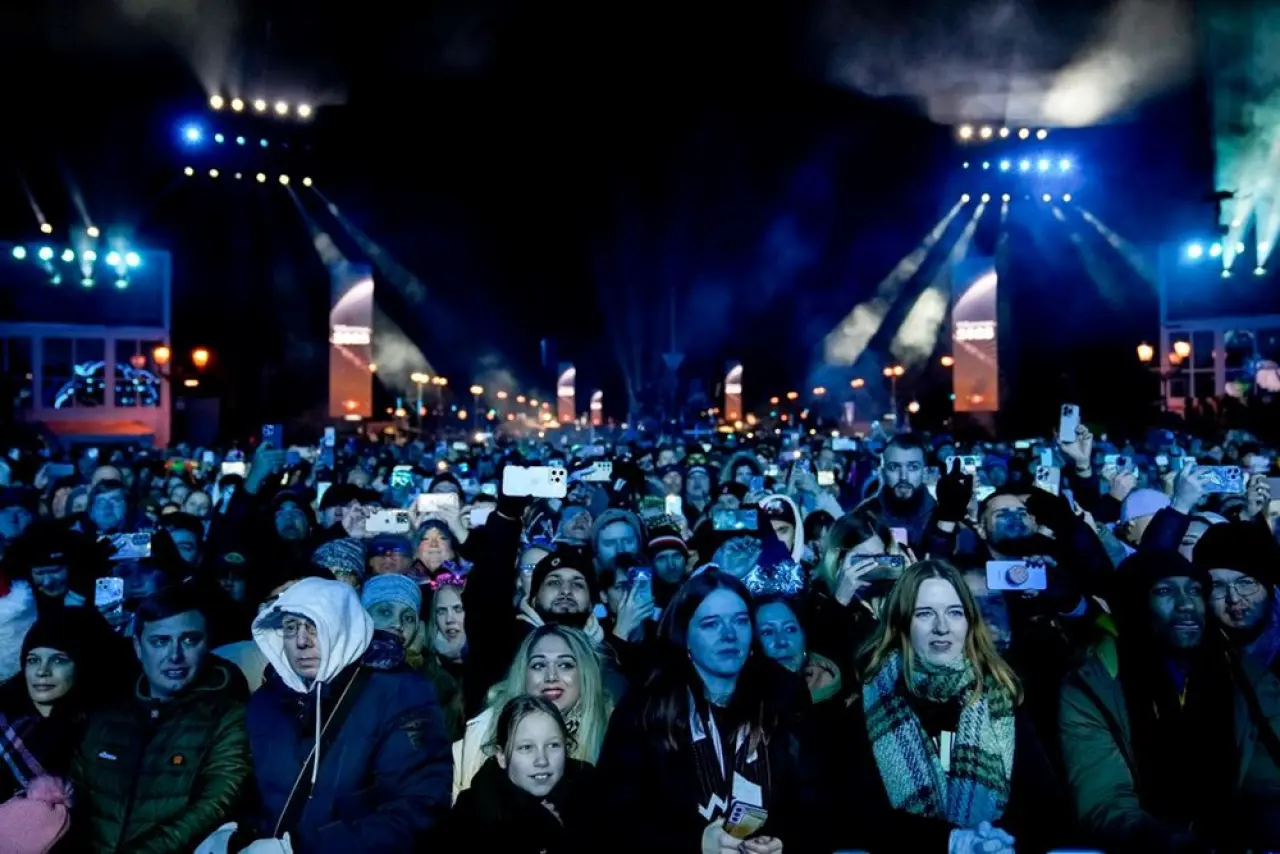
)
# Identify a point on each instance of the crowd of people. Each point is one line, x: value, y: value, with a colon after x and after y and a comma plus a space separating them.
x: 784, y: 643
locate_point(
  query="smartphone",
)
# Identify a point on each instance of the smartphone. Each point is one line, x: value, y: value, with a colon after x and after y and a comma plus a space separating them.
x: 651, y: 507
x: 108, y: 593
x: 230, y: 467
x: 131, y: 546
x: 756, y: 485
x: 969, y: 464
x: 1016, y: 575
x: 772, y: 471
x: 443, y: 503
x: 535, y: 481
x: 725, y: 519
x: 1162, y: 461
x: 1022, y: 445
x: 744, y: 820
x: 273, y: 434
x: 480, y: 515
x: 673, y: 505
x: 601, y: 471
x: 388, y: 522
x: 489, y: 489
x: 1046, y: 457
x: 321, y: 488
x: 1049, y: 478
x: 402, y: 477
x: 330, y: 437
x: 826, y: 478
x: 460, y: 446
x: 844, y: 445
x: 888, y: 567
x: 207, y: 459
x: 1224, y: 480
x: 1259, y: 464
x: 1068, y: 422
x: 92, y: 453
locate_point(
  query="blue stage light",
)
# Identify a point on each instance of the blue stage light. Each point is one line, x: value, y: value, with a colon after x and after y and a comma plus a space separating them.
x: 1064, y: 165
x: 263, y: 143
x: 239, y: 140
x: 1004, y: 165
x: 133, y: 259
x: 68, y: 256
x: 1195, y: 251
x: 19, y: 252
x: 45, y: 253
x: 219, y: 138
x: 192, y: 134
x: 1024, y: 165
x: 113, y: 258
x: 1043, y: 165
x: 1215, y: 250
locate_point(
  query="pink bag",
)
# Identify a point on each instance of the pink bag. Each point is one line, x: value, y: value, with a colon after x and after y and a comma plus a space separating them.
x: 33, y: 823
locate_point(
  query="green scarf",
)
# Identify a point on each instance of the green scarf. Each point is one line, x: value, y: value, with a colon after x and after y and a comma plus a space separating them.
x: 976, y: 787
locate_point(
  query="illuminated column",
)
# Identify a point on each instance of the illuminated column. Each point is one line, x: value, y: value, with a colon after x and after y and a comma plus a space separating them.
x: 597, y: 409
x: 976, y: 372
x: 565, y: 393
x: 733, y: 392
x: 351, y: 365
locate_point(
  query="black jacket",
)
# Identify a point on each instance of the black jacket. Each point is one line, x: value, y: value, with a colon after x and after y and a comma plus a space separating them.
x: 495, y: 815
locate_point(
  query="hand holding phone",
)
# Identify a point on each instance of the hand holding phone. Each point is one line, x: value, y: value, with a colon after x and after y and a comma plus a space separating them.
x: 1068, y: 422
x: 534, y: 481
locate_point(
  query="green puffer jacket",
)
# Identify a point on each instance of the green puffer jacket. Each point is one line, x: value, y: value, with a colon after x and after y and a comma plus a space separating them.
x: 157, y: 778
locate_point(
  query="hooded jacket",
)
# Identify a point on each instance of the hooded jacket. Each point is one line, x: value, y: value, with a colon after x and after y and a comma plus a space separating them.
x: 380, y: 782
x: 17, y: 613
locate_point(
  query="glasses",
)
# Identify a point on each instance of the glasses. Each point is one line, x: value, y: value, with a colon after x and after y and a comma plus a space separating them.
x: 1242, y: 587
x: 291, y: 628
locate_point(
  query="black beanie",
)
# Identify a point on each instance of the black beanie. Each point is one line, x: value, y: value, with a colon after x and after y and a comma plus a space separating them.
x: 564, y: 557
x: 62, y: 632
x: 1245, y: 547
x: 1138, y: 572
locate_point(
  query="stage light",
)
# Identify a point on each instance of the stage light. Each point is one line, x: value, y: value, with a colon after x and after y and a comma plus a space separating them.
x: 1235, y: 223
x: 1064, y: 165
x: 986, y: 164
x: 263, y: 143
x: 282, y: 108
x: 965, y: 199
x: 237, y: 104
x: 1263, y: 248
x: 213, y: 173
x: 304, y: 111
x: 1004, y: 133
x: 45, y: 253
x: 261, y: 177
x: 260, y: 105
x: 192, y: 134
x: 1195, y: 251
x: 1046, y: 197
x: 219, y: 138
x: 1005, y: 197
x: 121, y: 284
x: 1226, y: 274
x: 1259, y: 271
x: 1239, y: 248
x: 1023, y: 133
x: 239, y: 176
x: 87, y: 282
x: 1004, y: 165
x: 1024, y: 165
x: 1043, y: 165
x: 1042, y: 134
x: 88, y: 256
x: 986, y: 197
x: 45, y: 228
x: 284, y: 179
x: 132, y: 259
x: 188, y: 171
x: 1215, y: 249
x: 113, y: 258
x: 239, y: 140
x: 966, y: 131
x: 1066, y: 197
x: 68, y: 256
x: 216, y: 102
x: 985, y: 133
x: 966, y: 164
x: 55, y: 279
x: 306, y: 182
x: 92, y: 231
x: 19, y: 252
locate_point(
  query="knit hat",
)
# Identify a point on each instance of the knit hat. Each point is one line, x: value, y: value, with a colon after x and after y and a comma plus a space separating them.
x: 1143, y: 502
x: 1245, y: 547
x: 392, y: 588
x: 390, y: 544
x: 664, y: 539
x: 344, y: 556
x: 62, y: 632
x: 1141, y: 570
x: 563, y: 557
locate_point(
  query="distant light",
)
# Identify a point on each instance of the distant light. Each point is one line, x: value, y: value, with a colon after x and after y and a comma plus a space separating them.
x: 985, y: 133
x: 304, y: 111
x: 263, y: 143
x: 1064, y: 164
x: 284, y: 179
x: 213, y: 173
x: 1235, y: 223
x: 237, y: 104
x: 1043, y: 165
x: 239, y: 140
x: 1024, y: 165
x: 19, y: 252
x: 132, y: 259
x: 1226, y: 274
x: 92, y: 231
x: 306, y: 182
x: 188, y: 171
x: 1046, y: 197
x: 192, y: 133
x: 1004, y: 165
x: 216, y: 102
x: 55, y: 279
x: 966, y: 164
x: 45, y: 253
x: 1215, y: 250
x: 1005, y: 197
x: 1023, y: 133
x: 1042, y: 134
x: 1264, y: 247
x: 1004, y: 133
x: 113, y: 258
x: 966, y: 131
x: 191, y: 382
x: 87, y: 281
x: 239, y: 176
x: 986, y: 197
x: 965, y: 199
x: 122, y: 283
x: 1239, y: 248
x: 45, y: 228
x: 261, y: 177
x: 219, y: 138
x: 1259, y: 271
x: 986, y: 164
x: 68, y: 256
x: 1066, y: 197
x: 260, y: 105
x: 88, y: 256
x: 282, y: 108
x: 1195, y: 250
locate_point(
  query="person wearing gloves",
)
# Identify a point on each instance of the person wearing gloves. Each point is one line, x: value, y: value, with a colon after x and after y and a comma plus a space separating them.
x: 348, y: 745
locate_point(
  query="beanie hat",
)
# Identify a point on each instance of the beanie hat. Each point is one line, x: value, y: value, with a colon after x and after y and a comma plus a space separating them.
x: 55, y: 631
x: 343, y: 556
x: 666, y: 540
x: 1143, y: 502
x: 777, y: 508
x: 392, y: 588
x: 1245, y: 547
x: 563, y: 557
x: 1140, y: 571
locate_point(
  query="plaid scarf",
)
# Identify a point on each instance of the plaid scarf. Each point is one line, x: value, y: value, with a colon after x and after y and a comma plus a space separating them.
x: 14, y: 754
x: 976, y: 786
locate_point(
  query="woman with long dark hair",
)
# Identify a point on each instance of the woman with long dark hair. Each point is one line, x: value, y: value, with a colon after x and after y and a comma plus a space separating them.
x: 709, y: 752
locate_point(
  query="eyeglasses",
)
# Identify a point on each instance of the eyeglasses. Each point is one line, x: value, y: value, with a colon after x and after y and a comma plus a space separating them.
x: 291, y: 628
x: 1242, y: 587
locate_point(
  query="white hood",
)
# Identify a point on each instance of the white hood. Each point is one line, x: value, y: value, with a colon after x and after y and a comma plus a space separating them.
x: 17, y: 614
x: 343, y: 628
x: 797, y: 547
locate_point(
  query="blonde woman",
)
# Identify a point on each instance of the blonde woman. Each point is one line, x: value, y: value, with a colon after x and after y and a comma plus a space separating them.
x: 558, y: 664
x: 939, y: 751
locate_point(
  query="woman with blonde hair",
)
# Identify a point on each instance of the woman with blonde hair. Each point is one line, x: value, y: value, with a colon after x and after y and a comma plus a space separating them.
x: 556, y: 663
x: 938, y: 748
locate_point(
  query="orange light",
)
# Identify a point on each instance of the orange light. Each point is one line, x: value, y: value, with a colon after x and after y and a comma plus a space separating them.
x: 1146, y: 352
x: 948, y: 361
x: 162, y: 355
x: 773, y: 401
x: 502, y: 395
x: 819, y: 391
x: 200, y: 357
x: 191, y: 383
x: 1175, y: 359
x: 898, y: 370
x: 373, y: 369
x: 857, y: 382
x: 792, y: 395
x: 913, y: 407
x: 477, y: 390
x: 1182, y: 348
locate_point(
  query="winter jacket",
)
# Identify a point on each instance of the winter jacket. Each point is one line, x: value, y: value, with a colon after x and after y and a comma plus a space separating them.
x: 468, y: 751
x: 494, y: 815
x: 156, y: 778
x: 382, y: 779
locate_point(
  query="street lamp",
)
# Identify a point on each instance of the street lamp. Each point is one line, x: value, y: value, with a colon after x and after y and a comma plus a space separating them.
x: 793, y: 395
x: 819, y: 391
x: 948, y: 361
x: 200, y: 357
x: 1182, y: 348
x: 1146, y: 353
x: 893, y: 372
x: 913, y: 407
x: 162, y: 355
x: 857, y: 382
x: 476, y: 391
x: 420, y: 379
x: 502, y: 395
x: 773, y: 401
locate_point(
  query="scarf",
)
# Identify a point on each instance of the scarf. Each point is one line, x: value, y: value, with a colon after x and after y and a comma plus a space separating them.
x: 721, y: 783
x: 976, y: 786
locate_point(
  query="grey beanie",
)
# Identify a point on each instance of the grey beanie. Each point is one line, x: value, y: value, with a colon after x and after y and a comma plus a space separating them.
x: 392, y: 588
